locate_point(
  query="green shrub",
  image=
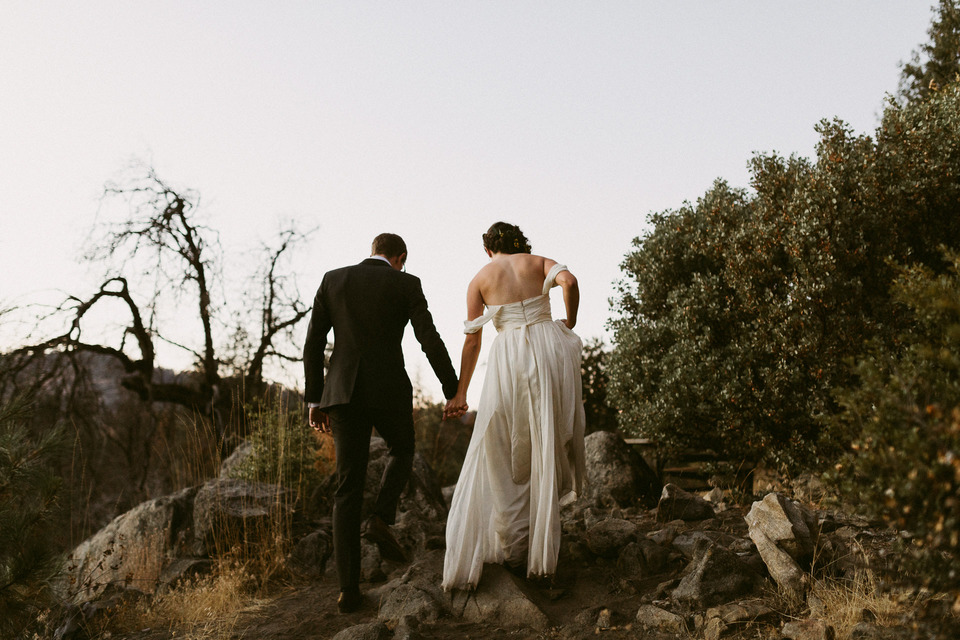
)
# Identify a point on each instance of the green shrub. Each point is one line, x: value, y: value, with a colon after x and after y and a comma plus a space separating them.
x: 905, y: 464
x: 284, y: 449
x: 737, y: 315
x: 28, y: 500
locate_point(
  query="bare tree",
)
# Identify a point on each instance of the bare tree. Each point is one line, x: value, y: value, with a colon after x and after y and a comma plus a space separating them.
x: 279, y: 310
x: 162, y: 285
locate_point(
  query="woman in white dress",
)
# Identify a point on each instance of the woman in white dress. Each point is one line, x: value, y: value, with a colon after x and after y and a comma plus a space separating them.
x: 526, y: 454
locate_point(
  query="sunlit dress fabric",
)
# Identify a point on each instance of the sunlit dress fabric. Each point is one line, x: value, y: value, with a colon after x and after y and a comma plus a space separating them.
x: 526, y: 454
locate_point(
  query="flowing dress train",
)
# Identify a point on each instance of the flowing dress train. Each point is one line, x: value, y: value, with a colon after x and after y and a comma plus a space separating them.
x: 526, y: 454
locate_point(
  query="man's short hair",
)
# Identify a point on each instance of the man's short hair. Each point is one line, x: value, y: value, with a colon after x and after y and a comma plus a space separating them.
x: 388, y: 245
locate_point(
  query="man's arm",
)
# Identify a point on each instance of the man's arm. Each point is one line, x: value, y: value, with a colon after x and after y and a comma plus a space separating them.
x: 314, y: 348
x: 430, y: 341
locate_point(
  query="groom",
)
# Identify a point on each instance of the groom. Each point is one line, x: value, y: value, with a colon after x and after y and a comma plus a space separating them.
x: 368, y: 306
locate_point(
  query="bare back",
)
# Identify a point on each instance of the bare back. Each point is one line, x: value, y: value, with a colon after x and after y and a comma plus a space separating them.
x: 512, y: 278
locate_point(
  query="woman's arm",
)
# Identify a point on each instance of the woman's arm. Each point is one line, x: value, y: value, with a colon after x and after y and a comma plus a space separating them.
x: 471, y: 353
x: 571, y: 296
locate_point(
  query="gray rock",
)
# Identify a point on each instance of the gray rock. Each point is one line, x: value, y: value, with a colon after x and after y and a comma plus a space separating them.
x: 686, y: 543
x: 604, y: 619
x: 616, y: 474
x: 713, y: 577
x: 785, y: 535
x: 79, y: 618
x: 498, y: 599
x: 650, y: 617
x: 423, y: 494
x: 656, y: 557
x: 809, y: 629
x: 663, y: 537
x: 368, y: 631
x: 408, y: 628
x: 734, y: 612
x: 630, y: 563
x: 133, y: 550
x: 371, y: 569
x: 182, y: 569
x: 608, y: 537
x: 228, y: 467
x: 311, y: 553
x: 231, y: 512
x: 408, y: 600
x: 677, y: 504
x: 714, y: 629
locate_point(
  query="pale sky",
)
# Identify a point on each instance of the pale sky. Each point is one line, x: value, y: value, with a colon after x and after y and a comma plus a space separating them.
x: 574, y: 120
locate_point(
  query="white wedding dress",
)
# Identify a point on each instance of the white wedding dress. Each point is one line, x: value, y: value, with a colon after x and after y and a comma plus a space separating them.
x: 526, y: 455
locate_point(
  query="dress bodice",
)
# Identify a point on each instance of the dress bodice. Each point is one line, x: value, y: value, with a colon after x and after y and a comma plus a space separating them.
x: 521, y: 313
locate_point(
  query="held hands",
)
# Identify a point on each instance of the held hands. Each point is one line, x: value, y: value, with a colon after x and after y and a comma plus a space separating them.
x: 455, y: 407
x: 319, y: 420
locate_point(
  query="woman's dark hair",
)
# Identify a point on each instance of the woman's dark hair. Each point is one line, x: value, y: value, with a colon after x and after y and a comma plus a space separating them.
x: 506, y: 238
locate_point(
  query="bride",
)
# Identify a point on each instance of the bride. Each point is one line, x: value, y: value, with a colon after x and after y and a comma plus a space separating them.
x: 526, y: 454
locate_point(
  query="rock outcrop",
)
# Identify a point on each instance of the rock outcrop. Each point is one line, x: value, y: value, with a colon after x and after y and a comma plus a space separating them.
x: 786, y: 536
x: 629, y: 567
x: 617, y: 476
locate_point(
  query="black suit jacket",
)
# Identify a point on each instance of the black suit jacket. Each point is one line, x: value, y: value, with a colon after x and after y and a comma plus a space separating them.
x: 368, y: 306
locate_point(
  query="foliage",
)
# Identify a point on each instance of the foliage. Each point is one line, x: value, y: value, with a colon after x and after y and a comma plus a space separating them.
x: 284, y: 450
x: 736, y: 316
x: 941, y: 56
x: 905, y: 465
x: 28, y: 500
x: 600, y: 415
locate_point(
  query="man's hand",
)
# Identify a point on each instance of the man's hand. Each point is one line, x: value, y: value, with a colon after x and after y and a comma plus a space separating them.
x: 319, y: 420
x: 454, y: 408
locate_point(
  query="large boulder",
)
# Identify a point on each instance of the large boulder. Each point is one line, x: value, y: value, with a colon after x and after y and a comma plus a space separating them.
x: 497, y: 599
x: 133, y: 550
x: 677, y: 504
x: 650, y: 617
x: 714, y: 576
x: 161, y: 540
x: 409, y: 600
x: 608, y: 537
x: 423, y: 494
x: 785, y: 534
x: 617, y: 476
x: 228, y: 512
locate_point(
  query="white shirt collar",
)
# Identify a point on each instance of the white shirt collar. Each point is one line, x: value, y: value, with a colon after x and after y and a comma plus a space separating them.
x: 381, y: 258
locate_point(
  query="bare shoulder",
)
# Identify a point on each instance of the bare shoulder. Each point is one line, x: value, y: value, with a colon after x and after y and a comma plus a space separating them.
x: 544, y: 264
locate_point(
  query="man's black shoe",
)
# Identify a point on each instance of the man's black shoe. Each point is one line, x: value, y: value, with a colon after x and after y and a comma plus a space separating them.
x: 378, y: 532
x: 349, y: 601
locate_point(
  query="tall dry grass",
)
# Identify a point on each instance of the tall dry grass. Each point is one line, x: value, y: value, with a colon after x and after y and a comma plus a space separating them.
x: 248, y: 566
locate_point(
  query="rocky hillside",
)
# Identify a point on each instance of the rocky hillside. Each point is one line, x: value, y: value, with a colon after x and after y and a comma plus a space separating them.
x: 637, y: 561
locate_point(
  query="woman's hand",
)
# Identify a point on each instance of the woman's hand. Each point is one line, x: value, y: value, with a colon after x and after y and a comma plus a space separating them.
x: 455, y: 408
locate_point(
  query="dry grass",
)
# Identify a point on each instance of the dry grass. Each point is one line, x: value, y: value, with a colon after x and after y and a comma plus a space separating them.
x: 844, y: 602
x: 208, y: 607
x: 249, y: 564
x: 204, y: 608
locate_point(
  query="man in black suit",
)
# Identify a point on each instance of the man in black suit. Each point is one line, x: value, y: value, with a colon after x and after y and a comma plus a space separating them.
x: 368, y: 306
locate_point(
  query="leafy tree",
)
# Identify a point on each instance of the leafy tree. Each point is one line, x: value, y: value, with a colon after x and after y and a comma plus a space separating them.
x: 937, y: 64
x: 601, y: 416
x: 905, y: 464
x: 28, y: 499
x: 736, y: 315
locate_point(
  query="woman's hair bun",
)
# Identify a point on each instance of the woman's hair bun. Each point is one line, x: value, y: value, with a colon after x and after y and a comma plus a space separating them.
x: 503, y: 237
